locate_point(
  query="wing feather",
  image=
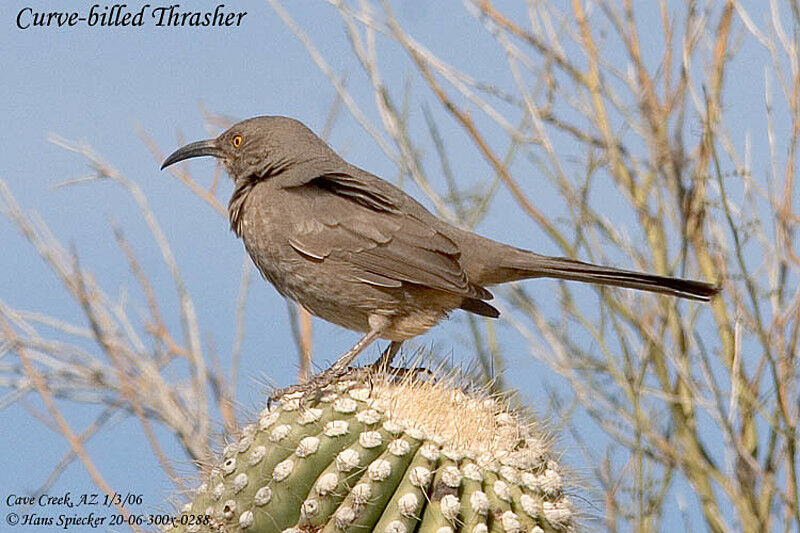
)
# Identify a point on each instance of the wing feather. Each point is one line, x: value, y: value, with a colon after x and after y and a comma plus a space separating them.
x: 387, y: 247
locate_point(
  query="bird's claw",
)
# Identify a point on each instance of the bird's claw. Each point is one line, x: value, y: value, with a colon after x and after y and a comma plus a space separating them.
x: 396, y: 374
x: 315, y: 384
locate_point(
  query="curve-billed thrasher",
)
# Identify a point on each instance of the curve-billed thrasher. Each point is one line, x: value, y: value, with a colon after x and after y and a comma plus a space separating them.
x: 357, y: 251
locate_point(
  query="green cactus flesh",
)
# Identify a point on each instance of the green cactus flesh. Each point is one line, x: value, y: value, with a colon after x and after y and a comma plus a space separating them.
x: 387, y: 457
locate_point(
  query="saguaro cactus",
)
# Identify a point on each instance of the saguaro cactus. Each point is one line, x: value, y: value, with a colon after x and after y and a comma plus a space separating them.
x: 384, y: 456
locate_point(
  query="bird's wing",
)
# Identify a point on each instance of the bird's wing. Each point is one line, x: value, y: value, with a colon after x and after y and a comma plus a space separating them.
x: 367, y: 190
x: 349, y: 182
x: 387, y: 247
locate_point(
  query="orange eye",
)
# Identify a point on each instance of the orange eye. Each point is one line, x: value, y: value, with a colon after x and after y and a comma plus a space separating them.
x: 237, y: 141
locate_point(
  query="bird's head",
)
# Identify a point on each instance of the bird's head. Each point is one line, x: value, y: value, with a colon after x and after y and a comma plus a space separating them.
x: 257, y: 147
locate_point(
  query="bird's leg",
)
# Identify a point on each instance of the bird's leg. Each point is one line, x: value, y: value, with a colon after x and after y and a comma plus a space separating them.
x: 343, y: 363
x: 385, y: 361
x: 384, y: 365
x: 377, y: 324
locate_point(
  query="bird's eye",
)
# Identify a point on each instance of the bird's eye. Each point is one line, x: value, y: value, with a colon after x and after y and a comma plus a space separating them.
x: 237, y: 141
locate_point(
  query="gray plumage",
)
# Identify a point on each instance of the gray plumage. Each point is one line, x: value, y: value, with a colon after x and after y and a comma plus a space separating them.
x: 357, y: 251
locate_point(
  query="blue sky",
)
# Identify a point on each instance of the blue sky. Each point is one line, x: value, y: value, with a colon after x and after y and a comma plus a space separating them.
x: 99, y: 85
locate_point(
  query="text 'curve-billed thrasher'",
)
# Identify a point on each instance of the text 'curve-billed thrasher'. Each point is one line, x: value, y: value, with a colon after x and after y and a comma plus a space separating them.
x: 357, y: 251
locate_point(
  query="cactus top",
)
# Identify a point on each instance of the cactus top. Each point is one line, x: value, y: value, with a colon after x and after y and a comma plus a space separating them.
x: 393, y: 456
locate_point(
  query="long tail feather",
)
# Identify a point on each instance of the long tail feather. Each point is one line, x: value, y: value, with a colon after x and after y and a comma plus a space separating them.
x: 530, y: 265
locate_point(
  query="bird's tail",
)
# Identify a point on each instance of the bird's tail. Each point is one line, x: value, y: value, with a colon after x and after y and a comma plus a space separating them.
x: 524, y: 264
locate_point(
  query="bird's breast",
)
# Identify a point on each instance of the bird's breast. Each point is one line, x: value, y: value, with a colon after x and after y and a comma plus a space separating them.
x: 329, y: 286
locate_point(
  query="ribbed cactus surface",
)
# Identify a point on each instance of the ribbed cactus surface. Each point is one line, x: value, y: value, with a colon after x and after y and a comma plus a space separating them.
x: 386, y: 457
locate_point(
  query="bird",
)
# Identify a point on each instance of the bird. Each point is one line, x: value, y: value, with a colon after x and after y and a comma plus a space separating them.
x: 359, y: 252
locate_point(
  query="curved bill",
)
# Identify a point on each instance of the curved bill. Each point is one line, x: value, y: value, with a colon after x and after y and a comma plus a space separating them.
x: 195, y: 149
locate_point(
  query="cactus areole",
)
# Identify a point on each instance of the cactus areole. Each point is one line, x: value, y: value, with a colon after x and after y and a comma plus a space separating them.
x: 386, y: 456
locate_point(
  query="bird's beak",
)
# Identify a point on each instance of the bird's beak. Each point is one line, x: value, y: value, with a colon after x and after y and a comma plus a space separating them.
x: 195, y: 149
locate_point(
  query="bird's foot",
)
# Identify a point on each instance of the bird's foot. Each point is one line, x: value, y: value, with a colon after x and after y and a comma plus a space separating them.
x: 316, y: 384
x: 397, y: 373
x: 314, y: 387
